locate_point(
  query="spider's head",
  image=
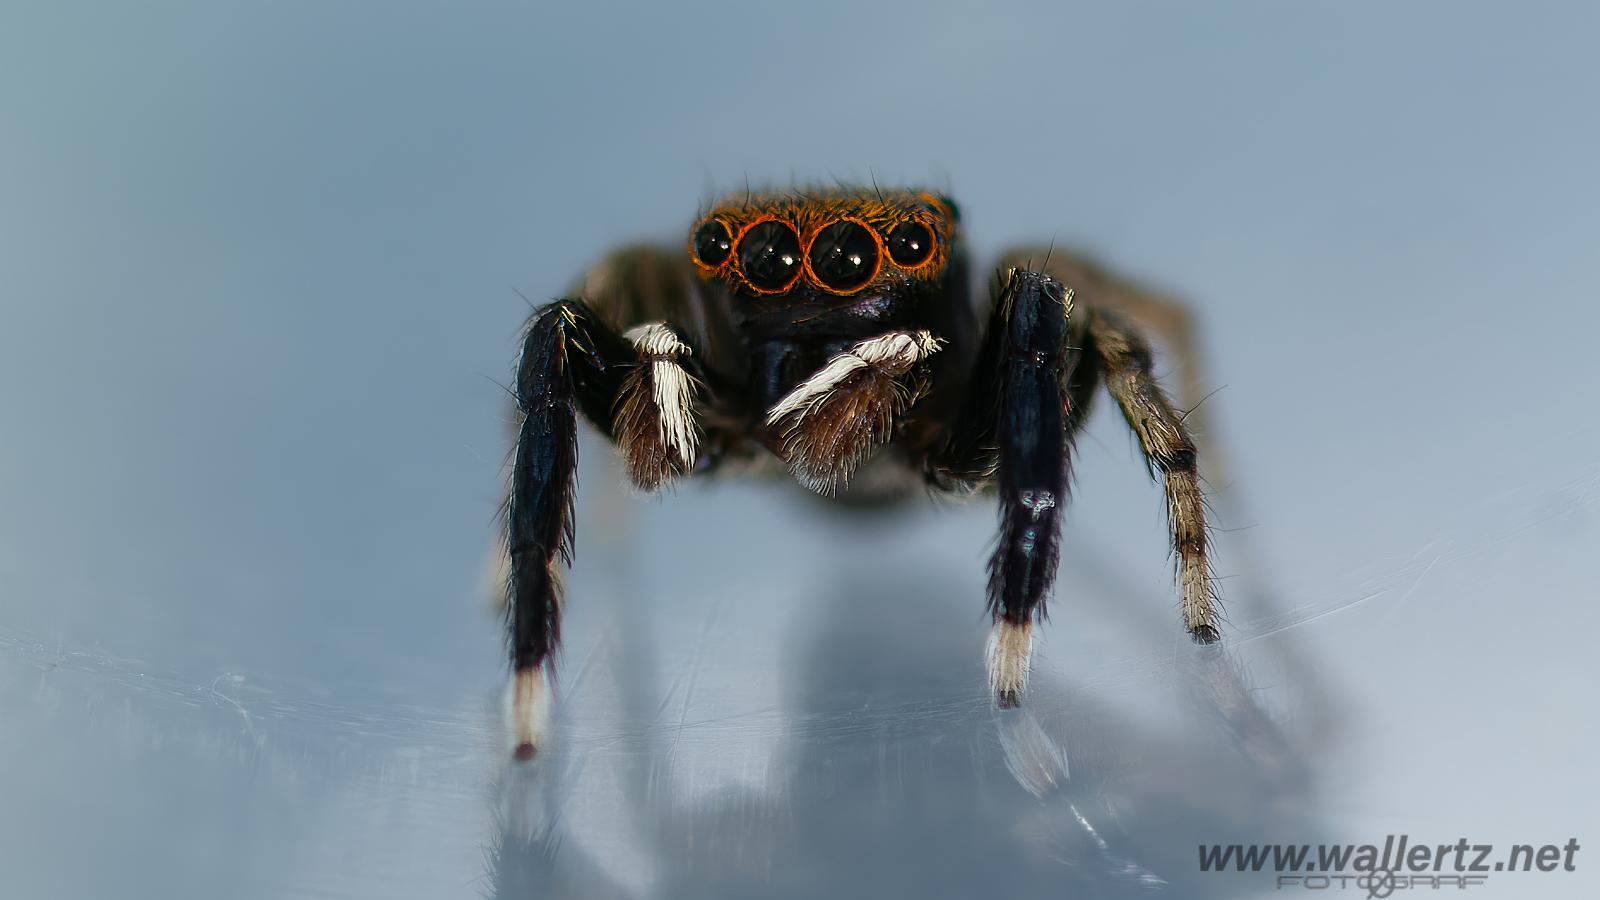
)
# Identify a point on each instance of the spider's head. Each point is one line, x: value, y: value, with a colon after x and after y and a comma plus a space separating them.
x: 816, y: 245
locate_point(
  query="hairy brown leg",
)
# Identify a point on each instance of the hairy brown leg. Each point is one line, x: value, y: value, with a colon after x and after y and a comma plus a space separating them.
x: 1126, y: 361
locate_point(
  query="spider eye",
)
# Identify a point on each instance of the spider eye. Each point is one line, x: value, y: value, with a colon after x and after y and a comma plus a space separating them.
x: 769, y: 254
x: 844, y: 256
x: 910, y: 244
x: 712, y: 243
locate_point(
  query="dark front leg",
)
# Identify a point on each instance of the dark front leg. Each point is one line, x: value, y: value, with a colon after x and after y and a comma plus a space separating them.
x: 1013, y: 430
x: 635, y: 388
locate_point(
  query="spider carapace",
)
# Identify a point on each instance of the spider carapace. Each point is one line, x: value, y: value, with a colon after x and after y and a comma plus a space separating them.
x: 833, y: 332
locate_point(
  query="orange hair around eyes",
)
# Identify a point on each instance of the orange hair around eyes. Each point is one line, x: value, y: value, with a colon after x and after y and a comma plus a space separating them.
x: 809, y: 212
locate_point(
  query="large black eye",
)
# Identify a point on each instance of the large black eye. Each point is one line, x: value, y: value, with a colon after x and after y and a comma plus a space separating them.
x: 712, y: 243
x: 910, y: 244
x: 844, y: 256
x: 769, y: 254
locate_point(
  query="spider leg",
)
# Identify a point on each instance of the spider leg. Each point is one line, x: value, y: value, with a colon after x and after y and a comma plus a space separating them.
x: 1170, y: 322
x: 639, y: 389
x: 1125, y: 357
x: 1120, y: 312
x: 1168, y: 319
x: 1025, y: 397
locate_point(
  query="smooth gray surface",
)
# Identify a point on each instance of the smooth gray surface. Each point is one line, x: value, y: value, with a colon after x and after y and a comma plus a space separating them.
x: 260, y: 273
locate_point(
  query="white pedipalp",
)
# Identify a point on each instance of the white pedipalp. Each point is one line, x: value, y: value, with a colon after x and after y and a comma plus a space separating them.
x: 672, y: 387
x: 898, y: 350
x: 893, y: 353
x: 816, y: 388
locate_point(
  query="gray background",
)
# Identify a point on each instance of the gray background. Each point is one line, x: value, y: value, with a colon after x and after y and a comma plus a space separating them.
x: 259, y: 267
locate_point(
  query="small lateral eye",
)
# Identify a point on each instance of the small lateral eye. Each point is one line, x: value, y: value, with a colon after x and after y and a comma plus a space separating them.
x: 910, y: 244
x: 712, y: 243
x: 769, y: 255
x: 844, y: 256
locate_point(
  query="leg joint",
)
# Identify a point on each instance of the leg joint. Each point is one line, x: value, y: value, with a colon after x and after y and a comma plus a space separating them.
x: 1181, y: 458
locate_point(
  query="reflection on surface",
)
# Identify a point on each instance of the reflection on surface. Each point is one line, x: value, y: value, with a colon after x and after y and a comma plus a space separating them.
x: 878, y: 765
x: 774, y: 725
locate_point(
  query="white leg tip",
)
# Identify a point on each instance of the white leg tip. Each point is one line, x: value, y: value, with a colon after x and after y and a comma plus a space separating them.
x: 528, y: 709
x: 1009, y: 655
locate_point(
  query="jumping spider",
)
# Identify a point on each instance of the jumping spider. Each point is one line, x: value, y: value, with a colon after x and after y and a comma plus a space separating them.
x: 834, y: 331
